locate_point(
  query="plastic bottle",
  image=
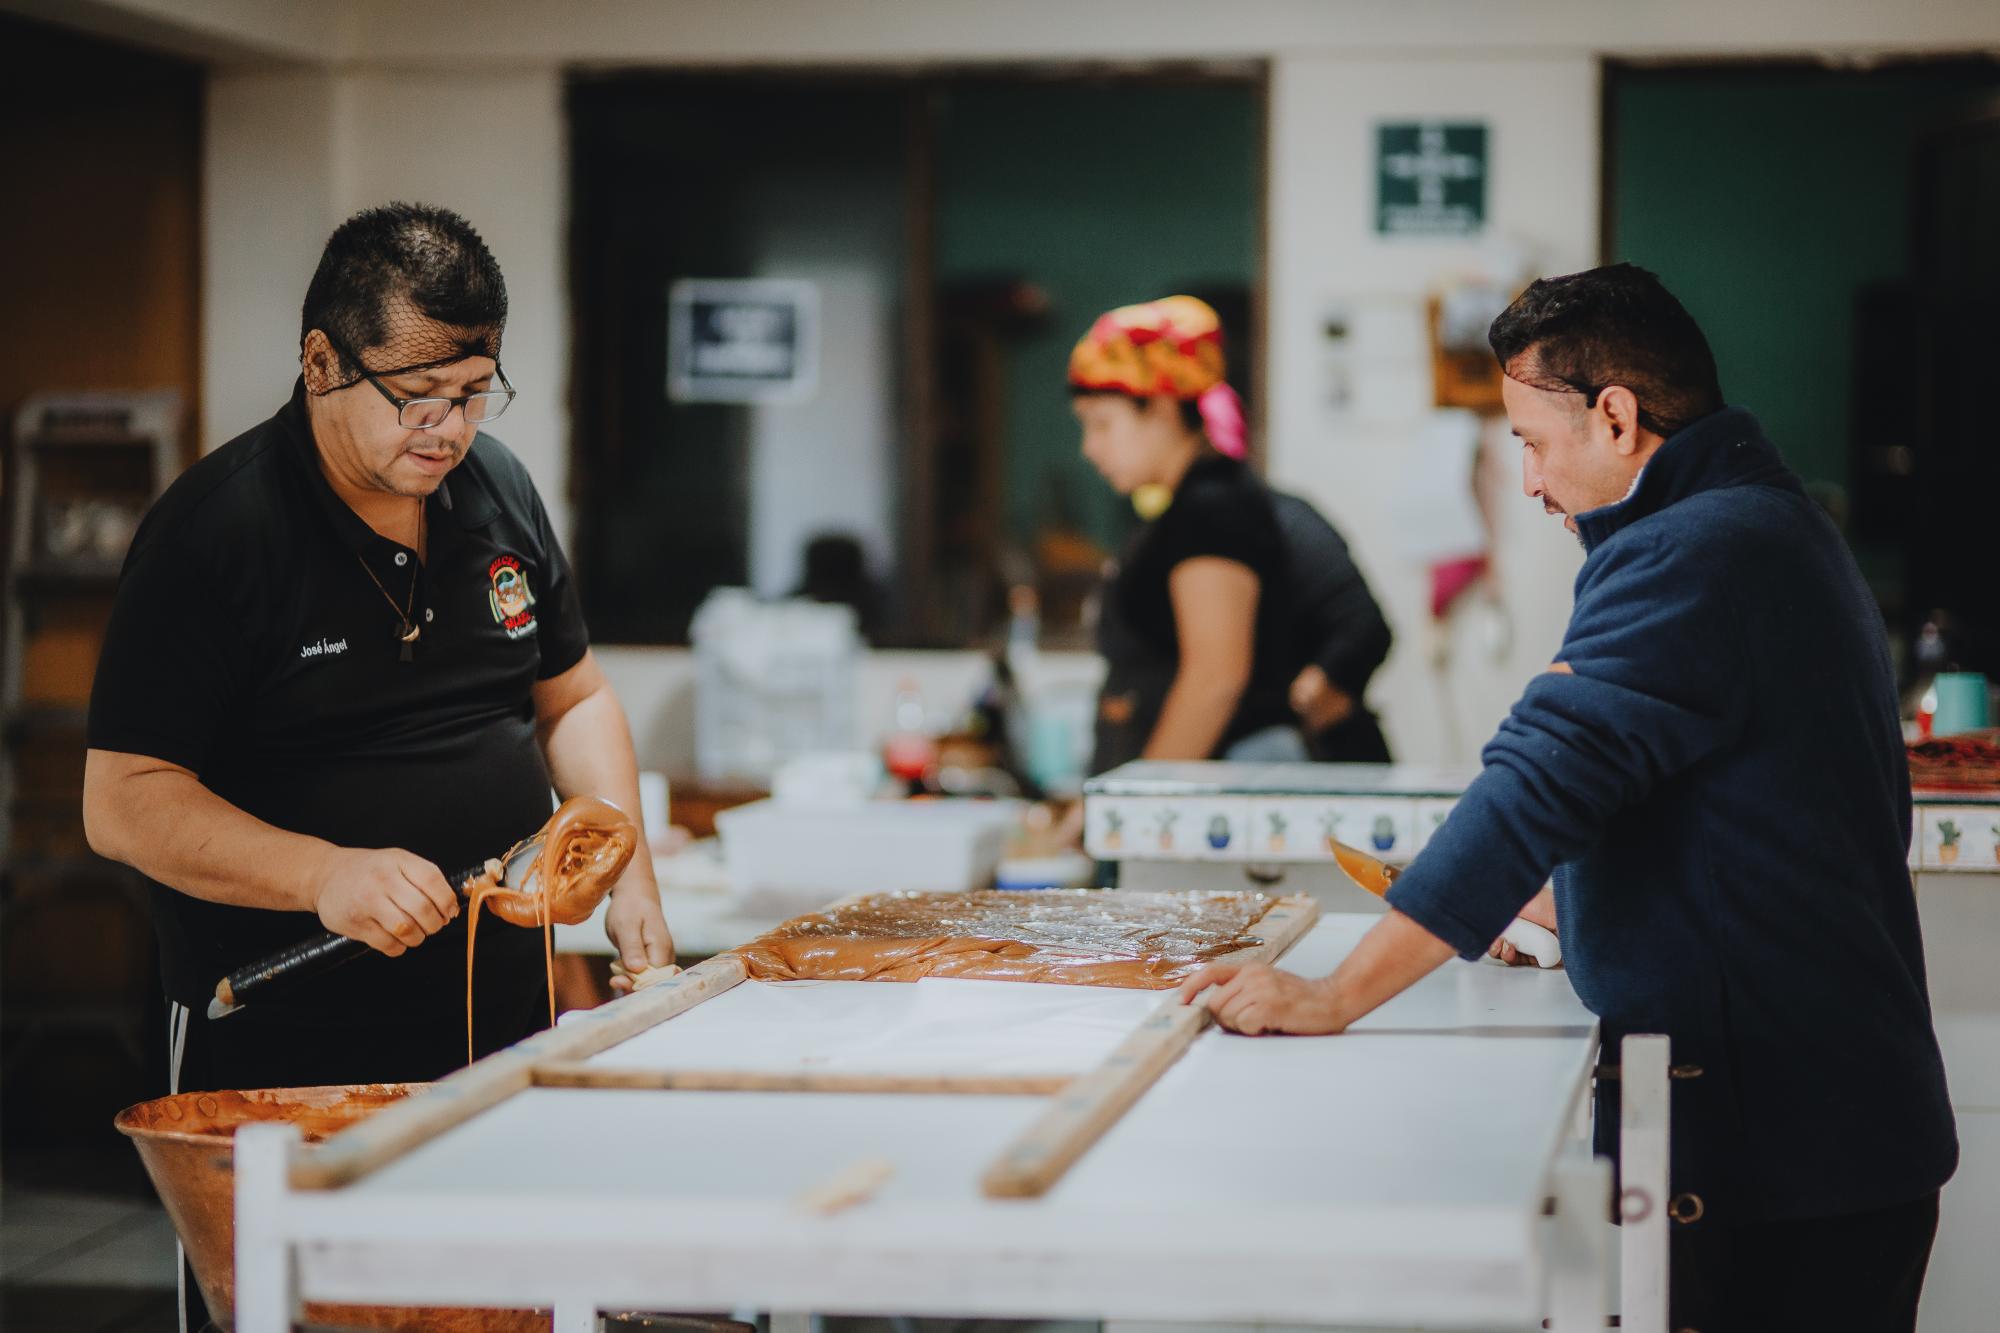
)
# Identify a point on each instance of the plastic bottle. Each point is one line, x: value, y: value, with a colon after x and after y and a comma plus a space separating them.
x: 910, y: 750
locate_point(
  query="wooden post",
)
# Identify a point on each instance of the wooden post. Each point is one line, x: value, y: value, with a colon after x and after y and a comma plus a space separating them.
x: 1093, y: 1103
x: 1578, y: 1245
x: 1645, y: 1122
x: 267, y: 1294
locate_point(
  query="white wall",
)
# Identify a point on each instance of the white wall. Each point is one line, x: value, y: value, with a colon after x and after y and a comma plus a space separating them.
x: 269, y: 196
x: 855, y: 31
x: 1542, y: 142
x: 291, y: 153
x: 488, y: 144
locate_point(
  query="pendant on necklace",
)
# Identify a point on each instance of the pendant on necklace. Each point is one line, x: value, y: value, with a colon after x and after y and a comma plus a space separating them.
x: 408, y: 637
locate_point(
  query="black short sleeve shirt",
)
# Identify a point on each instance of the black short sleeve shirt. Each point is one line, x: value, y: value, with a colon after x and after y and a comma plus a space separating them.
x: 1222, y: 510
x: 249, y: 644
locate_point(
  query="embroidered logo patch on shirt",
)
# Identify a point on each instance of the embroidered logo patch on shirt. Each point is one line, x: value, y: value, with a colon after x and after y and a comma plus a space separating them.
x: 510, y: 597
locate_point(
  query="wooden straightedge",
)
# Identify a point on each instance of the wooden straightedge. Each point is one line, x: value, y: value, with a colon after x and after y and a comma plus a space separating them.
x: 578, y: 1075
x: 395, y: 1130
x: 1092, y: 1104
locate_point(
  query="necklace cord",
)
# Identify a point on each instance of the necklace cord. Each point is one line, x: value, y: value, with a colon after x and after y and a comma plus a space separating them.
x: 406, y: 629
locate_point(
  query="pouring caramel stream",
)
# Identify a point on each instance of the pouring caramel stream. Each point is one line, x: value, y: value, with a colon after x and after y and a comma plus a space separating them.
x: 585, y: 846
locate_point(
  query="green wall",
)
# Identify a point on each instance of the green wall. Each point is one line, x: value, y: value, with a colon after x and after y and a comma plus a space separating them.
x: 1765, y: 199
x: 1102, y: 196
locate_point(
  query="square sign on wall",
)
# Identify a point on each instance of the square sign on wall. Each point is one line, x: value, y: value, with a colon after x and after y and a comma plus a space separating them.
x: 1430, y: 179
x: 742, y: 340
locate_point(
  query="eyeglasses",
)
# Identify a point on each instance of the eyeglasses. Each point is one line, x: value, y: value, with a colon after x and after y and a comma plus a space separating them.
x: 429, y: 413
x: 1592, y: 392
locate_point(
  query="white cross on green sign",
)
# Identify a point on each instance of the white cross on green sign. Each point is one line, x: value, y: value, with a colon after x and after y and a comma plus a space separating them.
x: 1430, y: 179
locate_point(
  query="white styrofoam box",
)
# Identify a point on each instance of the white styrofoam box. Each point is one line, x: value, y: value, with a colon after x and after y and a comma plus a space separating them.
x: 1111, y: 826
x: 1290, y: 828
x: 1167, y: 828
x: 1251, y: 828
x: 1431, y: 815
x: 1959, y: 837
x: 1343, y: 820
x: 1385, y: 829
x: 1217, y: 828
x: 1158, y: 833
x: 791, y: 858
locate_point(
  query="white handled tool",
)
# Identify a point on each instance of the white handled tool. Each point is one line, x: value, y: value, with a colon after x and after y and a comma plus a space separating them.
x: 1535, y: 941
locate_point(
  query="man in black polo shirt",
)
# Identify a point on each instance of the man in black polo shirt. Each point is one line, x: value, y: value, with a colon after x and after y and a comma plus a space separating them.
x: 346, y: 653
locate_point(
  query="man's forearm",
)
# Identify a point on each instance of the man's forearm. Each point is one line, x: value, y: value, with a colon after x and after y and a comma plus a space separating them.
x: 1393, y: 956
x: 1193, y: 718
x: 164, y: 823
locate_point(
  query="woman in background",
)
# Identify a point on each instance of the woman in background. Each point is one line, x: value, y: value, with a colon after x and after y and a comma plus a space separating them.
x: 1196, y: 623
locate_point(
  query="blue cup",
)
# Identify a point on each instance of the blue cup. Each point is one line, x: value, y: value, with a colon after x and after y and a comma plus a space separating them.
x: 1962, y: 703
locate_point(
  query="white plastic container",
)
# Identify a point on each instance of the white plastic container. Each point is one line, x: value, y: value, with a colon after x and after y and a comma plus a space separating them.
x: 793, y: 859
x: 773, y: 680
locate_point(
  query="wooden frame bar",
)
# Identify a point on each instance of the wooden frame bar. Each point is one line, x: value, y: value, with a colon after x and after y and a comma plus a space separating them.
x: 456, y: 1098
x: 1029, y: 1166
x: 566, y: 1074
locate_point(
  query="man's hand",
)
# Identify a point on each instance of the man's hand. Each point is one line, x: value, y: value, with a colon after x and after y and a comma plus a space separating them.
x: 1256, y: 997
x: 389, y: 899
x: 637, y: 929
x: 1319, y: 702
x: 1541, y: 910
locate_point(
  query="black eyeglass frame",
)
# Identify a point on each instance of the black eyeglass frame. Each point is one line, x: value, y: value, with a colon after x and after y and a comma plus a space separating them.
x: 1591, y: 393
x: 505, y: 393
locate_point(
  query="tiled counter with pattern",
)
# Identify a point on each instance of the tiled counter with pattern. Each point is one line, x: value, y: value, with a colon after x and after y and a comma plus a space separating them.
x: 1266, y: 812
x: 1262, y: 813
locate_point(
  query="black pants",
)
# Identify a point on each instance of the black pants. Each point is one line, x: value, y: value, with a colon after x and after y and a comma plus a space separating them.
x: 1358, y: 740
x: 1857, y: 1274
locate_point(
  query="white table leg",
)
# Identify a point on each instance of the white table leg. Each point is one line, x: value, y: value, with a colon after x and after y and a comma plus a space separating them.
x: 792, y: 1322
x: 1645, y: 1121
x: 1579, y: 1253
x: 267, y: 1298
x: 574, y: 1317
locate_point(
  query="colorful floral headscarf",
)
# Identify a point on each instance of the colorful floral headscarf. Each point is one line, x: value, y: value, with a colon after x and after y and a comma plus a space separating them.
x: 1166, y: 348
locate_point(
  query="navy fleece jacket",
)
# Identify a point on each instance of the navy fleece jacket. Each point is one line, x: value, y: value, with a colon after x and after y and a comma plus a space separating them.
x: 1720, y: 790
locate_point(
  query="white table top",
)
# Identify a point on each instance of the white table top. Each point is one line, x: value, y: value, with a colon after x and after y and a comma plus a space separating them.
x: 1394, y: 1174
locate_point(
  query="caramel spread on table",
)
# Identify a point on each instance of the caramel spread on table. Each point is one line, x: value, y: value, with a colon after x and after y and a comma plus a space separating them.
x: 1079, y: 937
x: 584, y: 848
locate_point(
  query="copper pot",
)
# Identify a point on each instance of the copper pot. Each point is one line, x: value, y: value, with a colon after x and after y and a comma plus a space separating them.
x: 185, y: 1144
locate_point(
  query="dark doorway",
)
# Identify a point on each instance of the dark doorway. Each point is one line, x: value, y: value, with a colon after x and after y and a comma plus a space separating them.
x: 1836, y: 231
x: 959, y: 231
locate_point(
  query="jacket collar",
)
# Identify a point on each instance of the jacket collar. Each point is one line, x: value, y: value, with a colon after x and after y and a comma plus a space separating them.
x: 461, y: 498
x: 1723, y: 449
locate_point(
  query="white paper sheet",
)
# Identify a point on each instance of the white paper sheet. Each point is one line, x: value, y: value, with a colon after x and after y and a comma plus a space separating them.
x: 936, y: 1026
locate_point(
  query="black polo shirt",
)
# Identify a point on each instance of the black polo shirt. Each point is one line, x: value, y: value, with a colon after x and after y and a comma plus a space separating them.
x: 249, y: 645
x: 1220, y: 509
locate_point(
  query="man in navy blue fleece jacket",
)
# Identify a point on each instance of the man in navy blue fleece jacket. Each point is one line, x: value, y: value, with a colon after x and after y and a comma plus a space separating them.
x: 1713, y: 771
